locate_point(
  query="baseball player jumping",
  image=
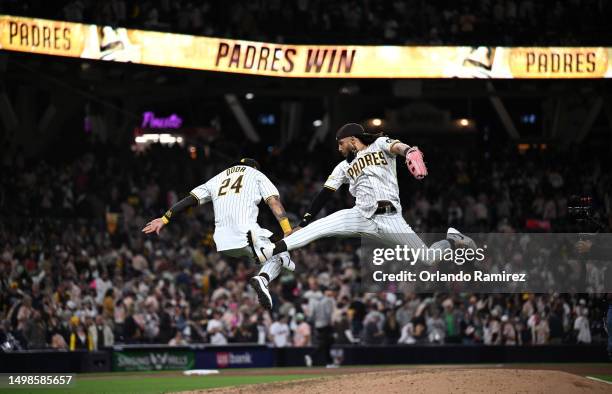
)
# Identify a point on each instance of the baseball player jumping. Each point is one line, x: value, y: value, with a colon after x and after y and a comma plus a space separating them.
x: 235, y: 193
x: 370, y: 171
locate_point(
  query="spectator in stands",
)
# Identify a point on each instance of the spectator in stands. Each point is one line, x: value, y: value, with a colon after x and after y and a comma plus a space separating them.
x: 391, y: 328
x: 79, y: 340
x: 56, y: 334
x: 492, y: 330
x: 101, y: 334
x: 35, y: 332
x: 373, y: 335
x: 151, y: 322
x: 165, y: 324
x: 540, y: 331
x: 407, y: 336
x: 132, y: 330
x: 302, y: 331
x: 24, y: 313
x: 102, y: 285
x: 216, y: 329
x: 582, y: 328
x: 322, y: 312
x: 436, y: 327
x: 280, y: 335
x: 508, y: 331
x: 178, y: 340
x: 452, y: 319
x: 246, y: 333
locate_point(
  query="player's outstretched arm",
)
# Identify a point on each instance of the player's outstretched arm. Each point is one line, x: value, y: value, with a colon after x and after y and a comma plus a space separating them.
x: 317, y: 204
x: 155, y: 225
x: 414, y: 158
x: 399, y: 148
x: 276, y: 206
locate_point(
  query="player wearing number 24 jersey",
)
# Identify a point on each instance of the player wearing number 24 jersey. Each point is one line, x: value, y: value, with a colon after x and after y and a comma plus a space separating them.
x: 235, y: 194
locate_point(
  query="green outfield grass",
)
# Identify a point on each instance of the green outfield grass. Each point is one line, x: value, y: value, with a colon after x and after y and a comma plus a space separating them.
x: 172, y: 381
x: 149, y: 383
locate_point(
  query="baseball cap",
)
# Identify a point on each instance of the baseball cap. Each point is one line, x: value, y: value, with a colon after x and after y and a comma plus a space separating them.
x: 247, y: 161
x: 349, y: 130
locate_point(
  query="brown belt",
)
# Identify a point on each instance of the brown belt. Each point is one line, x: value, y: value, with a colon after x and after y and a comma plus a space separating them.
x: 385, y: 207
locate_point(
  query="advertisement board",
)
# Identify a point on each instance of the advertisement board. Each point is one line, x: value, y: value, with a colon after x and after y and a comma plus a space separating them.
x: 235, y: 357
x: 84, y: 41
x: 153, y: 360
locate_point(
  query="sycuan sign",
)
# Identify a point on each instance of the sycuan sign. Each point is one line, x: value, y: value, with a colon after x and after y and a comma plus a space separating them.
x: 146, y: 360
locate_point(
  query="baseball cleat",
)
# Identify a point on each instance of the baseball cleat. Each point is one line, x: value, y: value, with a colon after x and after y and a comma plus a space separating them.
x: 263, y: 294
x: 285, y: 259
x: 261, y: 252
x: 461, y: 241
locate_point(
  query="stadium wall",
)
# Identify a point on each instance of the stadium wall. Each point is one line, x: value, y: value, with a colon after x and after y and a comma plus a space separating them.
x: 151, y: 358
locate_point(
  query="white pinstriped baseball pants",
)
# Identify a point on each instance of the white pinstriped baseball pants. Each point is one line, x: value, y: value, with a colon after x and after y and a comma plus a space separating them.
x: 272, y: 266
x: 390, y: 229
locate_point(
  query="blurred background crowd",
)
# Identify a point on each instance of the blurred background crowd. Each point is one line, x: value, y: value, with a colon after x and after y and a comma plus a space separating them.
x: 502, y: 22
x: 77, y: 273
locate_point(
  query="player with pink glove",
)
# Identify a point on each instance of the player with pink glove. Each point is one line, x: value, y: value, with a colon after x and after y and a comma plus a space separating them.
x: 370, y: 172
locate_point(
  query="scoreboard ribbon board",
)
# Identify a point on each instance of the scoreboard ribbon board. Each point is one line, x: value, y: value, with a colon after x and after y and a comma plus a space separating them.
x: 49, y: 37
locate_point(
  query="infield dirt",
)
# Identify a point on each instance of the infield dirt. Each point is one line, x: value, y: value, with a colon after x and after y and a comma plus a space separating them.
x: 433, y: 380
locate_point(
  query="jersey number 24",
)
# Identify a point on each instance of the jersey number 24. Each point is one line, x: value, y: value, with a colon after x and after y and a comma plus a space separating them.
x: 236, y: 186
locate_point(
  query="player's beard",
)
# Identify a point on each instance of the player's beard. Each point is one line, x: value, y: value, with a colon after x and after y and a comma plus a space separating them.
x: 351, y: 156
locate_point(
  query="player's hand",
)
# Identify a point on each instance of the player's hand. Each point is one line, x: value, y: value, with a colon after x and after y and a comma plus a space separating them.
x: 305, y: 220
x: 584, y: 246
x: 154, y: 226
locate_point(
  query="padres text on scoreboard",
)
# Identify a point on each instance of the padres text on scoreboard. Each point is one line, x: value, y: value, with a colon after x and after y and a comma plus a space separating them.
x: 87, y: 41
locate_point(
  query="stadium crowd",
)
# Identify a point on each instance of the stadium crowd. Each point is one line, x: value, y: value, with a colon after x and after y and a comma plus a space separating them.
x: 486, y: 22
x: 77, y: 273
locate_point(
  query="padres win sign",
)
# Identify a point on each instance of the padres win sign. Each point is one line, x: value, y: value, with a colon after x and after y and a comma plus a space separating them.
x: 298, y: 61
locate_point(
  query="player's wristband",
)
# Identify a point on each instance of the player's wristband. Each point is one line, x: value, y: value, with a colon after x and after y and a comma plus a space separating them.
x: 285, y: 225
x: 165, y: 220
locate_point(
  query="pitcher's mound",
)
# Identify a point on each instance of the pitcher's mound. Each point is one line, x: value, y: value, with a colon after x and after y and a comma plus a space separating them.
x: 478, y: 380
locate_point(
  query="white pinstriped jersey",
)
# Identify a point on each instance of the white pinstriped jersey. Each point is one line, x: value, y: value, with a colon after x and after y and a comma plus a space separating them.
x: 372, y: 176
x: 235, y: 194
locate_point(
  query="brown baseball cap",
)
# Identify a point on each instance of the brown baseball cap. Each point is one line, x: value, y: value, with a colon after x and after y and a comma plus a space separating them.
x: 350, y: 130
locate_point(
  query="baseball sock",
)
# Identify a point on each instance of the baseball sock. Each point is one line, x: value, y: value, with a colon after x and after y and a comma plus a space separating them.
x: 280, y: 247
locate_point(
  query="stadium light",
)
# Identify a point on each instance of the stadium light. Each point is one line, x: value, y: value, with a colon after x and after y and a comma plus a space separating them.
x: 376, y: 122
x: 249, y: 96
x: 166, y: 139
x: 464, y: 122
x: 317, y: 123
